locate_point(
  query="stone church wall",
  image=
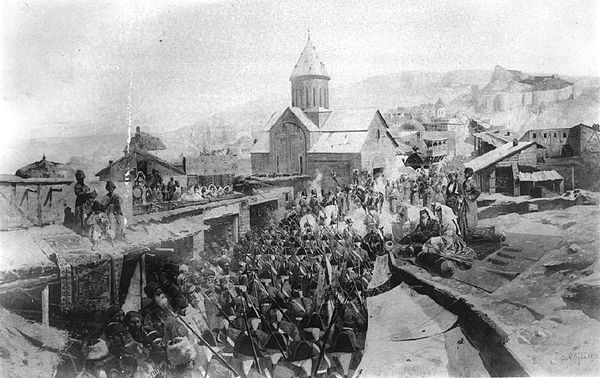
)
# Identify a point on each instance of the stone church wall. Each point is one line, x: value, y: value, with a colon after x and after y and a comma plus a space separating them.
x: 261, y: 163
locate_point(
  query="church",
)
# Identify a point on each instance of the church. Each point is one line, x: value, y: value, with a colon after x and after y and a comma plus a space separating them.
x: 310, y: 138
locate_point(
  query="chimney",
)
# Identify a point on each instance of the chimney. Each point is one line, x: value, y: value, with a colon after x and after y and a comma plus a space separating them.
x: 110, y: 162
x: 515, y: 142
x: 596, y: 127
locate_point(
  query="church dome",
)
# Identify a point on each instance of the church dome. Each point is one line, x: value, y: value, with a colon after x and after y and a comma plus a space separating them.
x: 45, y: 169
x: 411, y: 125
x: 309, y: 63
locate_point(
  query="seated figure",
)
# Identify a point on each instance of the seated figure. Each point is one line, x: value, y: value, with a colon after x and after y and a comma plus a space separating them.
x: 427, y: 228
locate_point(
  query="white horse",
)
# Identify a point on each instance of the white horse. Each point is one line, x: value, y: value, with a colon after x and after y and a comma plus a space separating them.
x: 308, y: 219
x: 329, y: 213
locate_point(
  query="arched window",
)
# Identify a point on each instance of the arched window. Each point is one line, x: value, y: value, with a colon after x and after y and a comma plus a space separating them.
x: 305, y: 98
x: 314, y: 102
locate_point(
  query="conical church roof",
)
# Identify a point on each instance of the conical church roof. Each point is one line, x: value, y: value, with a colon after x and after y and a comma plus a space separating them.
x: 309, y: 63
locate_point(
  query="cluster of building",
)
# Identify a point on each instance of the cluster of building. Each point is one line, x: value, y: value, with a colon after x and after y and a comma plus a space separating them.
x: 535, y: 162
x: 309, y: 139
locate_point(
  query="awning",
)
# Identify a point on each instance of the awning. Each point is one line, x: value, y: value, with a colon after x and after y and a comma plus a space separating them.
x: 540, y: 176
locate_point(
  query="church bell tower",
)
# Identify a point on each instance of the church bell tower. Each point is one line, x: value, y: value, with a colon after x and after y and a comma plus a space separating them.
x: 310, y: 85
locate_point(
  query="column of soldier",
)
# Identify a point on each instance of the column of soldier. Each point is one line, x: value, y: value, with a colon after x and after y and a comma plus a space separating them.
x: 284, y: 302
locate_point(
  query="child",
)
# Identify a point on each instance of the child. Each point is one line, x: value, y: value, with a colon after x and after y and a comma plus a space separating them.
x: 97, y: 221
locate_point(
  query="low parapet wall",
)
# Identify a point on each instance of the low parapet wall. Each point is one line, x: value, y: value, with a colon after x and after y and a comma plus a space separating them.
x: 493, y: 209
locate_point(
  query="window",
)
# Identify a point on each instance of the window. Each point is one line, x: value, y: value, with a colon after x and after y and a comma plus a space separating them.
x: 378, y: 134
x: 533, y: 135
x: 564, y: 135
x: 545, y: 135
x: 300, y: 162
x: 554, y: 135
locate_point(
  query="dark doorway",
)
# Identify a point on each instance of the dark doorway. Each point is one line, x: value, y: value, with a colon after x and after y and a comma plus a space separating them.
x: 566, y: 151
x: 504, y: 181
x: 260, y: 214
x: 221, y: 230
x: 142, y: 166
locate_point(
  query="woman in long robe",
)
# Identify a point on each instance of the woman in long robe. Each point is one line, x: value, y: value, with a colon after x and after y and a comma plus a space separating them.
x: 470, y: 194
x: 449, y: 244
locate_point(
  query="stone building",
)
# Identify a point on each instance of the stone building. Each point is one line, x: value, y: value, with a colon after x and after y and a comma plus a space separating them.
x: 309, y: 137
x: 440, y: 109
x: 488, y: 140
x: 573, y: 151
x: 566, y: 141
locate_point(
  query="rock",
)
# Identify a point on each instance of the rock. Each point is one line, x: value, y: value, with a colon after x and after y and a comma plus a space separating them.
x: 522, y: 339
x: 574, y: 248
x: 568, y: 224
x: 540, y: 333
x: 576, y: 259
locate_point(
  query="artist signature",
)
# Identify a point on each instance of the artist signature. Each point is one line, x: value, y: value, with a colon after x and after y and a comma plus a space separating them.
x: 579, y: 356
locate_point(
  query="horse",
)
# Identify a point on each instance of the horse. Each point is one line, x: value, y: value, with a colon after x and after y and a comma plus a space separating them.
x: 308, y: 219
x: 330, y: 214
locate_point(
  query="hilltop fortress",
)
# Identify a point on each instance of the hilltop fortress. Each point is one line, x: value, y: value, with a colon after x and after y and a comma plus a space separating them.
x: 510, y: 89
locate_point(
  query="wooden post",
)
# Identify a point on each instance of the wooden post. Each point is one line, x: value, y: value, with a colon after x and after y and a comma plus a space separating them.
x: 46, y: 305
x: 142, y: 277
x: 236, y: 228
x: 39, y: 205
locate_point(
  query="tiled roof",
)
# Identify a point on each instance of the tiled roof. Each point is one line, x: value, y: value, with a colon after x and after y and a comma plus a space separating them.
x: 146, y: 142
x: 545, y: 83
x: 497, y: 155
x: 46, y: 168
x: 491, y: 138
x: 340, y: 142
x: 145, y: 155
x: 261, y: 146
x: 411, y: 125
x: 302, y: 117
x: 404, y: 149
x: 349, y: 120
x: 309, y: 63
x: 540, y: 176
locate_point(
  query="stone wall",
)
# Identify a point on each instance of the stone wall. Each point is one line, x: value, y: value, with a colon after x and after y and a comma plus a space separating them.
x: 289, y: 142
x: 378, y: 150
x: 261, y: 163
x: 244, y: 218
x: 503, y: 101
x: 341, y: 164
x: 212, y: 165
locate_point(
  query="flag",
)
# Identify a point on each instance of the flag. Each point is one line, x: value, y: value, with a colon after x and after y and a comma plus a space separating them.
x: 320, y: 291
x: 329, y: 271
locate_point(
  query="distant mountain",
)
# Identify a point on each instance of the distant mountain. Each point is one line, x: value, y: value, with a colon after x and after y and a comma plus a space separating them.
x: 407, y: 89
x: 90, y: 153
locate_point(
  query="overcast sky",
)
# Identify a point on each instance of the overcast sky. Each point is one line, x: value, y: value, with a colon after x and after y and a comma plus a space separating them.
x: 67, y: 63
